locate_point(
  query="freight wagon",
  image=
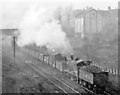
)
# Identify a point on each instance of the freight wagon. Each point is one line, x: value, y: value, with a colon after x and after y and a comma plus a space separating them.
x: 59, y: 61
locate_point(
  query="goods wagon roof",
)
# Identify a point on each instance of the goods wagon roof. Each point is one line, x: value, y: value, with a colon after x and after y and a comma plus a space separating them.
x: 59, y: 57
x: 46, y: 55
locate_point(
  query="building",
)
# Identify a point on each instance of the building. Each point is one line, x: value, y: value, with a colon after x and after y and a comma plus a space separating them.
x: 88, y: 21
x: 119, y: 14
x: 92, y: 21
x: 119, y: 5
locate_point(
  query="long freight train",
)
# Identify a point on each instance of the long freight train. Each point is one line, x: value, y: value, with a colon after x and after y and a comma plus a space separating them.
x: 87, y: 75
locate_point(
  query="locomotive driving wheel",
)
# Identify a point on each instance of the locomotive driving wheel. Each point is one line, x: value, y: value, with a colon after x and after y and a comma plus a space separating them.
x: 89, y: 86
x: 84, y: 83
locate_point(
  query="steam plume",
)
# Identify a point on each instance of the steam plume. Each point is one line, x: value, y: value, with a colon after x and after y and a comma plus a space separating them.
x: 40, y: 27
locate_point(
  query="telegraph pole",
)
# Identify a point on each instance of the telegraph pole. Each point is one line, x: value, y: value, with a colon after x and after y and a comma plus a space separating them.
x: 14, y: 44
x: 78, y: 79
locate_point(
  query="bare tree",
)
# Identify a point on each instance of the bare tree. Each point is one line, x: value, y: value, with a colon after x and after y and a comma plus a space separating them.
x: 65, y: 18
x: 58, y: 14
x: 69, y: 13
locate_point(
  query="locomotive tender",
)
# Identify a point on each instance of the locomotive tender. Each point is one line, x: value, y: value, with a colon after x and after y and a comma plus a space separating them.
x: 93, y: 78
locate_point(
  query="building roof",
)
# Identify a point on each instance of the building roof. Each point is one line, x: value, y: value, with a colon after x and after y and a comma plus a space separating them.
x: 119, y: 4
x: 105, y: 13
x: 10, y: 32
x: 112, y: 12
x: 81, y: 13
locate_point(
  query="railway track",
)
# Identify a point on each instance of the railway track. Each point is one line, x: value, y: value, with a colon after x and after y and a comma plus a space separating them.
x: 63, y: 86
x: 16, y: 69
x: 61, y: 90
x: 87, y: 90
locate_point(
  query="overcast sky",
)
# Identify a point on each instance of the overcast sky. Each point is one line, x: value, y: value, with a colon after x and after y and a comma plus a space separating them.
x: 14, y: 10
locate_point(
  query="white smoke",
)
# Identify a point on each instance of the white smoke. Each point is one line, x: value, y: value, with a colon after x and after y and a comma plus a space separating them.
x: 40, y: 27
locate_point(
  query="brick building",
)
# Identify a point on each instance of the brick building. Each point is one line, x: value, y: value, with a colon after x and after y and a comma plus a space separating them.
x: 88, y: 21
x: 92, y: 21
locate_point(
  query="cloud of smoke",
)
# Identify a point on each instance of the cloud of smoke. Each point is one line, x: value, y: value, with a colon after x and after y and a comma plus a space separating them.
x: 40, y: 27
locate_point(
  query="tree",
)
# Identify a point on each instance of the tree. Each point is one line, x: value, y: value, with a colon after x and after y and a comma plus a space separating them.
x: 65, y: 18
x: 69, y: 13
x: 58, y: 14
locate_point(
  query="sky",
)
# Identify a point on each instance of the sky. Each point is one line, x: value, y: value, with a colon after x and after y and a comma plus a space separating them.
x: 13, y: 10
